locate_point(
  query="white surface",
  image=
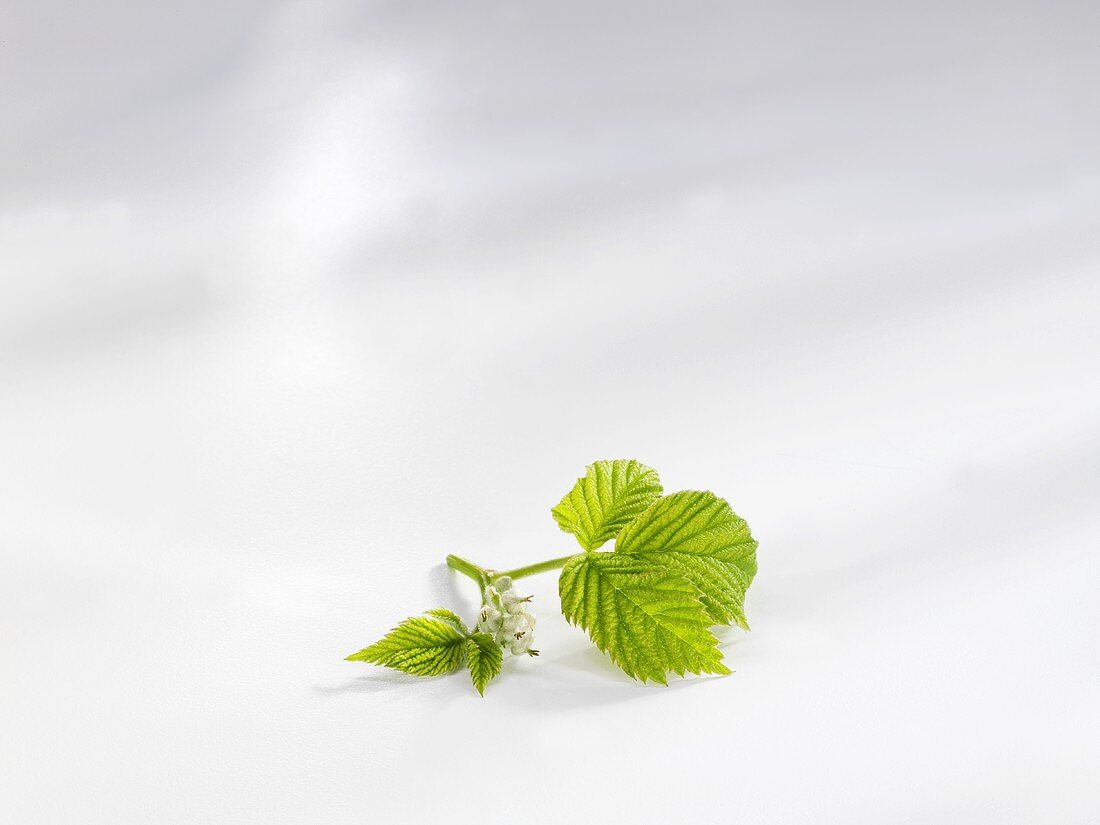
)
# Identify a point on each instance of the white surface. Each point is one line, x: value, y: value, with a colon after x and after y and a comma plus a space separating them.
x: 295, y: 299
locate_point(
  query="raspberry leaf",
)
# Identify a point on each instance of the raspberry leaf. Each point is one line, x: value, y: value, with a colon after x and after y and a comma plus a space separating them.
x: 450, y: 616
x: 421, y: 646
x: 697, y: 535
x: 605, y: 498
x: 484, y: 658
x: 649, y: 620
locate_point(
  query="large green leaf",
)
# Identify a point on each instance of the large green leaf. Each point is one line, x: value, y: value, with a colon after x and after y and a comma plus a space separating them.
x: 697, y: 535
x: 605, y: 498
x: 648, y: 620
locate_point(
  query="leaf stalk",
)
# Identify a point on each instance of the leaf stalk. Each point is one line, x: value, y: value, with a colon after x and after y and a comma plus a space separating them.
x: 484, y: 576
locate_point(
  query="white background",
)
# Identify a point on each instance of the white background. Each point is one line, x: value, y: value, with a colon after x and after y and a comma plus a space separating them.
x: 296, y: 298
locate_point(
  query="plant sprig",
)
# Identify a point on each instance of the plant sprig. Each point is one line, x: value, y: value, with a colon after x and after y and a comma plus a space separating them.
x: 682, y: 564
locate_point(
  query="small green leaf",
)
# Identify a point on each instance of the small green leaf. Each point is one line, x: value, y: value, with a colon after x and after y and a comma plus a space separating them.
x: 450, y: 616
x: 647, y: 619
x: 608, y: 496
x: 697, y: 535
x: 484, y: 658
x: 421, y: 646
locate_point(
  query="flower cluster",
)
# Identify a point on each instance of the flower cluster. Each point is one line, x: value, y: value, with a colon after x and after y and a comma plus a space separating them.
x: 507, y: 616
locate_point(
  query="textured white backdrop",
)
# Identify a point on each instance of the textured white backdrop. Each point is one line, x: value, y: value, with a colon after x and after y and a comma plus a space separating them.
x: 295, y: 298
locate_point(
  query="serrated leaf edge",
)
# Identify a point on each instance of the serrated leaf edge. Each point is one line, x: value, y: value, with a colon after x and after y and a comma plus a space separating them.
x: 720, y: 667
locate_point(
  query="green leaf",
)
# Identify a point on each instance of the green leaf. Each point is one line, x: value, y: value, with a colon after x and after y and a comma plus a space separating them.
x: 484, y: 657
x: 421, y: 646
x: 697, y: 535
x: 647, y: 619
x: 609, y: 495
x: 450, y: 616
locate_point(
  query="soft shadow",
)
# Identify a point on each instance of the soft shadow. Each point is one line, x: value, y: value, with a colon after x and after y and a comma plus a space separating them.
x: 588, y: 659
x: 555, y: 688
x: 379, y: 681
x: 448, y: 592
x: 536, y: 688
x: 543, y: 692
x: 729, y: 637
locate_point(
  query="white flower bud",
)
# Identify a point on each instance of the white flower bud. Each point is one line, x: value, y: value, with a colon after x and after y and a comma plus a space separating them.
x: 520, y: 643
x: 492, y: 596
x: 489, y: 620
x: 513, y: 599
x: 507, y: 616
x: 515, y: 623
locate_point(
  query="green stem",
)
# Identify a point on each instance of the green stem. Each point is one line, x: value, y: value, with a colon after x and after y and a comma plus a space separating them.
x: 484, y: 576
x: 468, y: 568
x: 532, y: 569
